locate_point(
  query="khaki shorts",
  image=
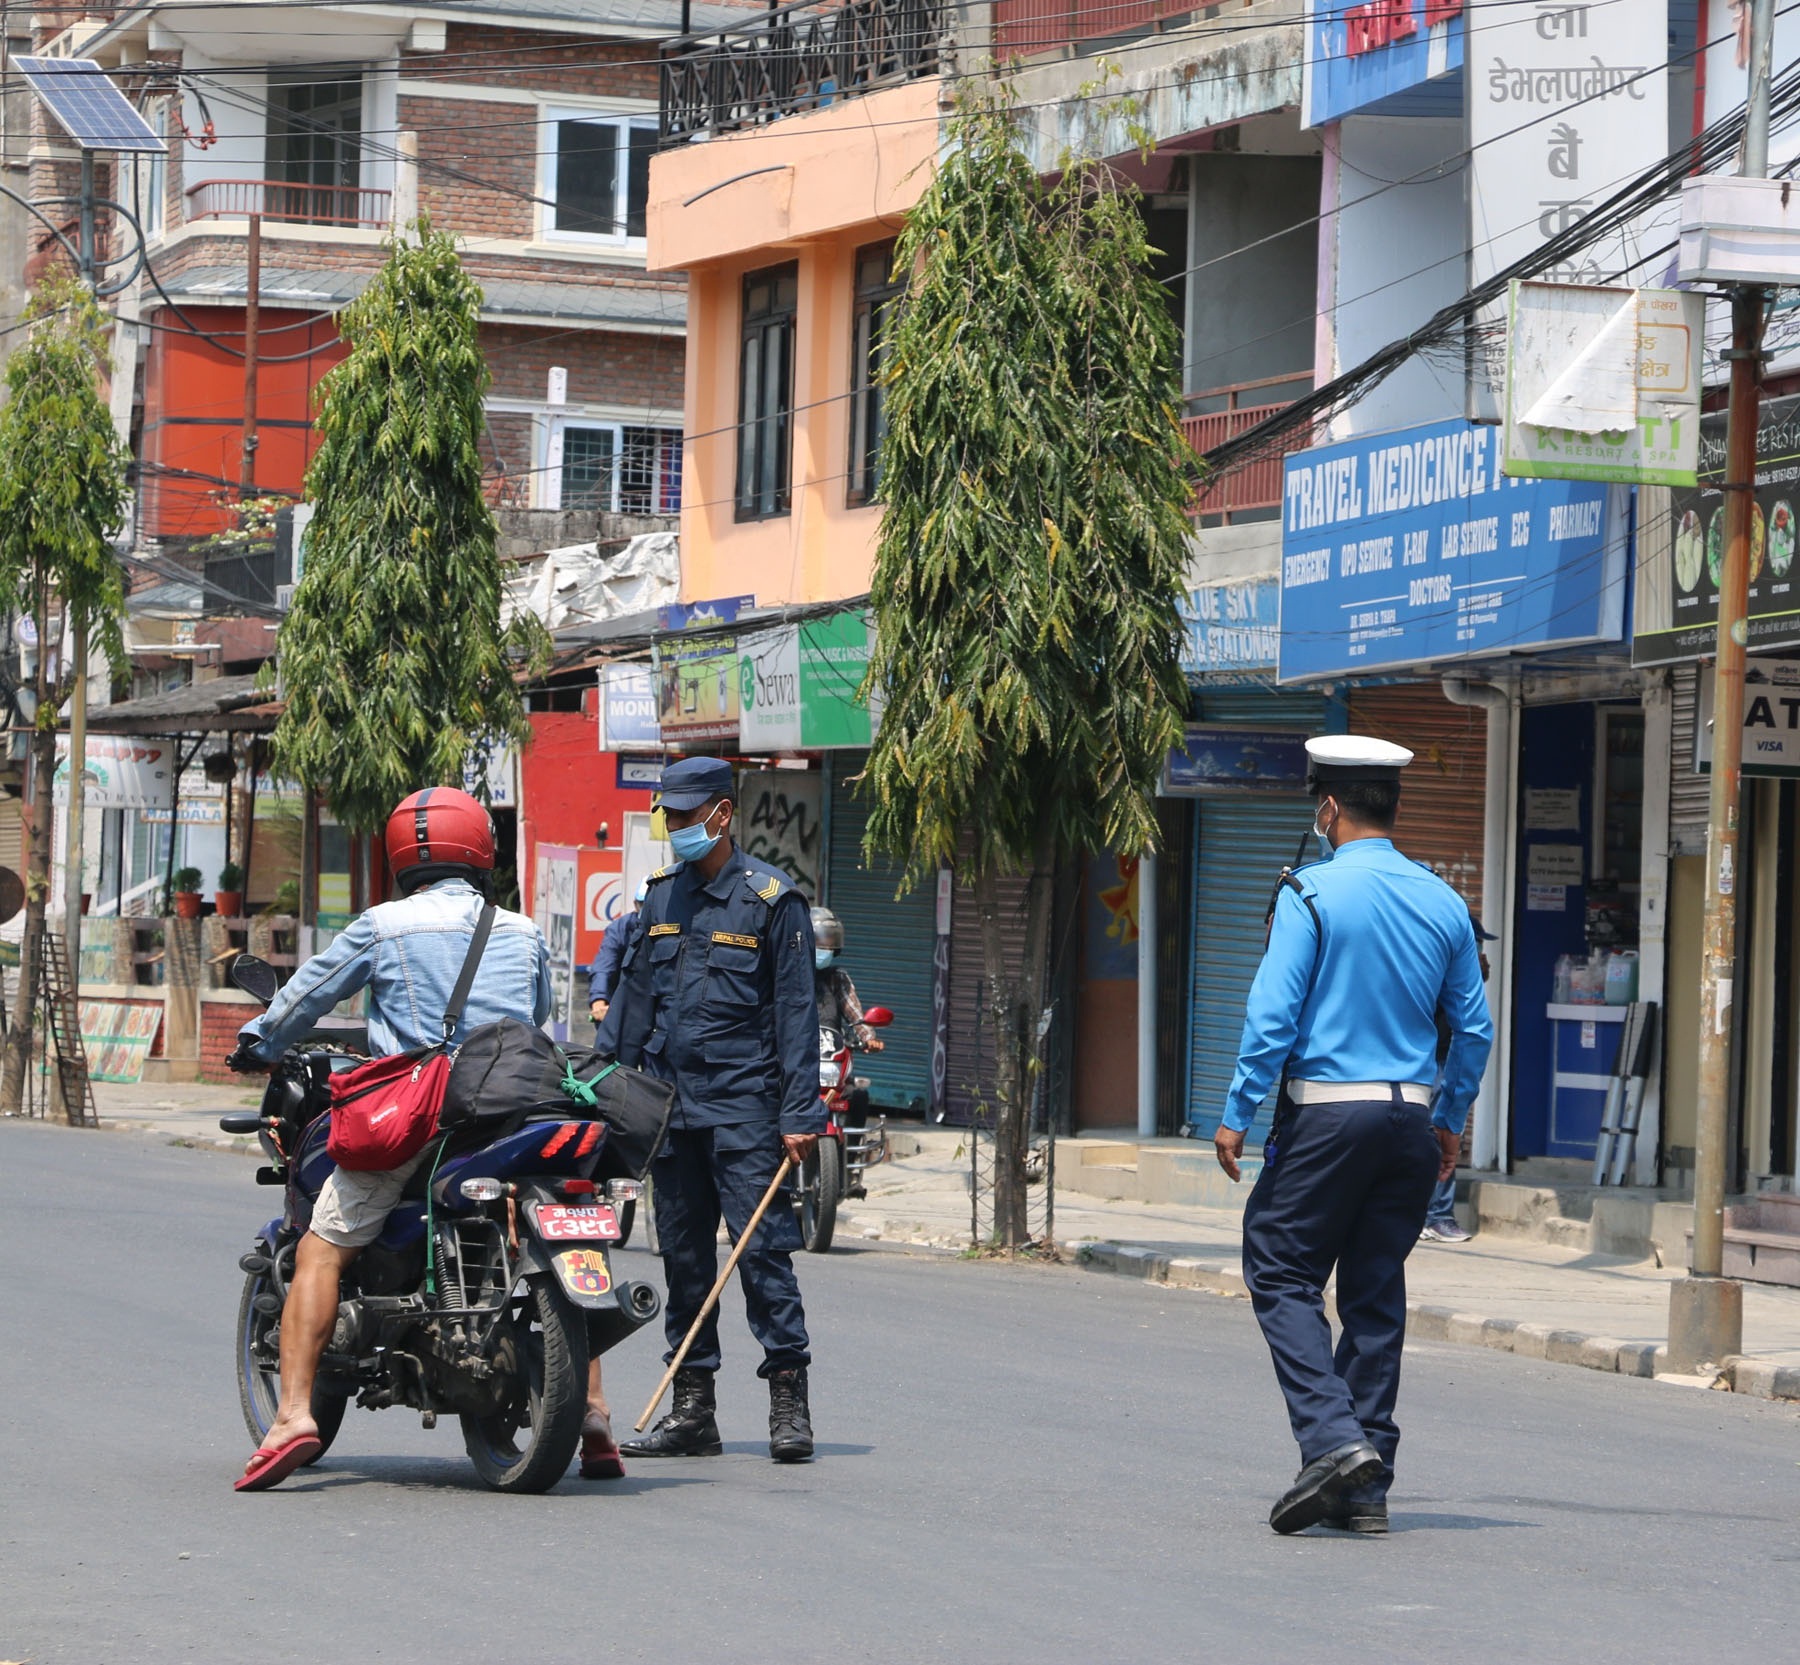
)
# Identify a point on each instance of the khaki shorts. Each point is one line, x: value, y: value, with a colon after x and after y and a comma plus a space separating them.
x: 353, y: 1207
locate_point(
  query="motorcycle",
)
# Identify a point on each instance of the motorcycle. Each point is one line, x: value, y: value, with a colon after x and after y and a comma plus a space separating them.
x: 851, y: 1144
x: 485, y: 1294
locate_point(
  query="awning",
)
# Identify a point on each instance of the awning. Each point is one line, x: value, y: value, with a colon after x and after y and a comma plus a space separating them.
x: 225, y: 702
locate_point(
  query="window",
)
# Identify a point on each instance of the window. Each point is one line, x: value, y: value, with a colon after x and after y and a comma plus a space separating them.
x: 144, y: 176
x: 872, y: 322
x: 766, y: 391
x: 315, y: 149
x: 599, y: 175
x: 617, y: 468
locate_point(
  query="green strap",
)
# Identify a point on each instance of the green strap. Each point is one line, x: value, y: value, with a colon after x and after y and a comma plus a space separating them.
x: 583, y: 1091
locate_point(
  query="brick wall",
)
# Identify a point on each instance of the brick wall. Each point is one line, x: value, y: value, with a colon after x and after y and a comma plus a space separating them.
x: 641, y: 371
x: 220, y: 1021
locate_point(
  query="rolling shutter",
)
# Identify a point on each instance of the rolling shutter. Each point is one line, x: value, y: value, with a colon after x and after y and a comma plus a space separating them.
x: 887, y: 949
x: 1690, y: 793
x: 1443, y: 795
x: 970, y: 1078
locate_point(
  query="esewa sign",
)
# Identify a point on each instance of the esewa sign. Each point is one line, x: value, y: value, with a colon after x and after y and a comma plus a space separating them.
x: 799, y: 684
x: 1603, y: 384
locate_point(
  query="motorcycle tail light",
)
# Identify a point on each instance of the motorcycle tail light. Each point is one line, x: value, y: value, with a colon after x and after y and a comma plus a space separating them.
x: 577, y: 1187
x: 481, y: 1190
x: 831, y: 1072
x: 623, y: 1190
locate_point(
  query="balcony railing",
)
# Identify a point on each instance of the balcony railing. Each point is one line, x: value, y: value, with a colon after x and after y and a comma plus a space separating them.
x: 276, y: 199
x: 799, y: 57
x: 1023, y: 28
x: 1252, y: 488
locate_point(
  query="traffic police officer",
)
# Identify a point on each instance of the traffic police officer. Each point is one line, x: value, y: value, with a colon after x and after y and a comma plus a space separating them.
x: 1365, y: 949
x: 716, y: 996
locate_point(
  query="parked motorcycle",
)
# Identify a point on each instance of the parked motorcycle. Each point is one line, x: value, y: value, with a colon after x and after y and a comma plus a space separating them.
x: 484, y: 1295
x: 852, y: 1142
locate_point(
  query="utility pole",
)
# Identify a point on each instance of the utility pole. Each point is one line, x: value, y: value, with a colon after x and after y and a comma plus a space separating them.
x: 1706, y: 1309
x: 251, y: 325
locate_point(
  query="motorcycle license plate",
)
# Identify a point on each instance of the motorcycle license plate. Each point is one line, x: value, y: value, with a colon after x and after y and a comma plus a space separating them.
x: 584, y: 1272
x: 585, y: 1223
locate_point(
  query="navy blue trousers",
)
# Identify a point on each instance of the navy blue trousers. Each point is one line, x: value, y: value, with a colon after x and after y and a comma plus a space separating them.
x: 716, y: 1172
x: 1348, y: 1189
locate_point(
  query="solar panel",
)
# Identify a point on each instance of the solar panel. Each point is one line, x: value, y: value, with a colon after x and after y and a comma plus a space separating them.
x: 87, y: 106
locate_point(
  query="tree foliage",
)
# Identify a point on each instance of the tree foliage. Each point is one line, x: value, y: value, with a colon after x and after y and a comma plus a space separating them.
x: 1036, y: 482
x: 394, y: 658
x: 1031, y: 556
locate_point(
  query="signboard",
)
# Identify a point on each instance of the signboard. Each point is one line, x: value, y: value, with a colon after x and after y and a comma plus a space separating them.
x: 697, y: 688
x: 602, y: 897
x: 1604, y: 384
x: 1566, y: 104
x: 1359, y: 54
x: 1678, y: 573
x: 122, y: 772
x: 700, y: 615
x: 117, y: 1036
x: 1233, y: 629
x: 1236, y: 760
x: 1771, y: 719
x: 799, y: 685
x: 769, y: 689
x: 628, y: 709
x: 1410, y: 548
x: 553, y: 907
x: 639, y: 774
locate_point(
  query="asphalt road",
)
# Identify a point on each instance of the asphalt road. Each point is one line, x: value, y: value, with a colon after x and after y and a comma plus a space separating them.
x: 1035, y: 1465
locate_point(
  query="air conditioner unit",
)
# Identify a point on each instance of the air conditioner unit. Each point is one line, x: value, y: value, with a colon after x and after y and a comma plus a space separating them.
x: 284, y: 597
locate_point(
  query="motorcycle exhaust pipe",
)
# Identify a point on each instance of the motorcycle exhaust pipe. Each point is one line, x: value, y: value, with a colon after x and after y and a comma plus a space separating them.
x: 638, y: 1304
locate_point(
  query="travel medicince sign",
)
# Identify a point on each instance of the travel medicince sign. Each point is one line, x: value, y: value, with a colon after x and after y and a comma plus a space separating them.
x: 1412, y: 548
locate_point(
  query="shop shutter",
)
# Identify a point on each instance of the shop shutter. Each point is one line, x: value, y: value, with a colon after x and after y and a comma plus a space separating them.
x: 1243, y: 845
x: 1443, y: 796
x: 970, y: 1076
x: 887, y: 949
x: 1690, y: 793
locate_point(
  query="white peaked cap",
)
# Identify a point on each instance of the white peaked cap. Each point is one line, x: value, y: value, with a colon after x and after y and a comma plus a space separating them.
x: 1352, y: 757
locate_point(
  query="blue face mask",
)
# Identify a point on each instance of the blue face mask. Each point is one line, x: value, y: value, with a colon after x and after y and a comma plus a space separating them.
x: 692, y: 843
x: 822, y: 957
x: 1326, y: 849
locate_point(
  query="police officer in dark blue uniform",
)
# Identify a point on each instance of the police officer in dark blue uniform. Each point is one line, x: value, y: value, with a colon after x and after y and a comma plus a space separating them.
x: 716, y: 996
x: 1365, y: 950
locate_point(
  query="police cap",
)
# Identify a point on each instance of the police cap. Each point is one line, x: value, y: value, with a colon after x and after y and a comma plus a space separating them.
x: 693, y: 781
x: 1339, y: 759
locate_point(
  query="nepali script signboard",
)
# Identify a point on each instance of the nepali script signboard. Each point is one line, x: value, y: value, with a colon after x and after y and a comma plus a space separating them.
x: 1358, y: 55
x: 1412, y: 548
x: 1683, y: 551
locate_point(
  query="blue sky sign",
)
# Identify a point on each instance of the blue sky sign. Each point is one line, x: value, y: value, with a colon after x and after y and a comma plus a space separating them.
x: 1412, y: 548
x: 1360, y: 54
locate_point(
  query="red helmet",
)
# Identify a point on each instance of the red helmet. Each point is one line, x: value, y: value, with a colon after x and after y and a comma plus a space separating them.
x: 439, y: 833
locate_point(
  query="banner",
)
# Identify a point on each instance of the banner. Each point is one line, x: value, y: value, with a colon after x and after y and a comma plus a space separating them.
x: 123, y: 772
x: 628, y: 709
x: 1566, y: 104
x: 553, y: 907
x: 1233, y: 628
x: 1359, y: 54
x: 697, y: 688
x: 1678, y: 569
x: 1771, y: 738
x: 769, y: 689
x: 1412, y: 548
x: 800, y: 685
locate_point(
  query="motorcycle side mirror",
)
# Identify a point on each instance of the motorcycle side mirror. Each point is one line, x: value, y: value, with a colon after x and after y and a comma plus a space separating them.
x: 878, y: 1017
x: 256, y: 977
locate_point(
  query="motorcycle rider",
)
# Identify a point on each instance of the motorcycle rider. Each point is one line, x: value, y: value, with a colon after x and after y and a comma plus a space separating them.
x: 839, y: 1007
x: 407, y: 953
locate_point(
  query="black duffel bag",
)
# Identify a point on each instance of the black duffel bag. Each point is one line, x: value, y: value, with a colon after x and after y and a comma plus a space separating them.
x: 634, y: 1106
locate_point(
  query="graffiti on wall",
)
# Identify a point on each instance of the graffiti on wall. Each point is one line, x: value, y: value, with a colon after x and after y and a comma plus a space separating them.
x: 781, y: 821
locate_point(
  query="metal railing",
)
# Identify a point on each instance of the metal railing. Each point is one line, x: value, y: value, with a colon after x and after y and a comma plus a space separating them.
x: 1023, y: 28
x: 1253, y: 486
x: 798, y: 57
x: 277, y: 199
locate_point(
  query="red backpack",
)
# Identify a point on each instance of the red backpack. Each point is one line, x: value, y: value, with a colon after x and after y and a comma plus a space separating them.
x: 384, y: 1112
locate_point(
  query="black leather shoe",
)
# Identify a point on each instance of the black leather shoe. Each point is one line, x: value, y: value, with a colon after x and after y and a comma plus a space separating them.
x: 690, y: 1429
x: 1359, y: 1512
x: 790, y: 1418
x: 1322, y: 1482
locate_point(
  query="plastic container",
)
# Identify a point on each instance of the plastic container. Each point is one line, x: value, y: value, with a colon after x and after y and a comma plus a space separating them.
x: 1588, y: 982
x: 1563, y: 983
x: 1622, y: 977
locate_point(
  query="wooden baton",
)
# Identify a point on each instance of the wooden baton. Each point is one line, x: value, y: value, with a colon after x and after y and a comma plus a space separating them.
x: 718, y: 1289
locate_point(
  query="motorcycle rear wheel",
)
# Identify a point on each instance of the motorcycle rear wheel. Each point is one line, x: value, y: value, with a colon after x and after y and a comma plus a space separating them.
x: 821, y: 1189
x: 259, y: 1388
x: 552, y: 1340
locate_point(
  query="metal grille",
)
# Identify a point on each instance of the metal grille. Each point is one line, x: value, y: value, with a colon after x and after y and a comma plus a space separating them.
x: 1690, y: 793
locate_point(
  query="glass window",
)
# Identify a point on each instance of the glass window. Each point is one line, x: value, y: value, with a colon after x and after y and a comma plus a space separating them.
x: 600, y: 175
x: 872, y: 322
x: 587, y: 467
x: 619, y: 468
x: 314, y: 149
x: 766, y: 392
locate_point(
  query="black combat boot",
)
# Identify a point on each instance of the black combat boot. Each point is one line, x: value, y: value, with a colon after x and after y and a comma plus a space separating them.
x: 690, y: 1429
x: 790, y: 1418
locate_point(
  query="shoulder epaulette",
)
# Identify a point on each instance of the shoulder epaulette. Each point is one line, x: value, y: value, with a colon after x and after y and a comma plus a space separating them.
x: 766, y: 887
x: 668, y: 872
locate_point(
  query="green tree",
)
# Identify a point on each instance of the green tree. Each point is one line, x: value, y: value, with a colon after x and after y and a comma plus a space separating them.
x: 393, y: 658
x: 62, y: 496
x: 1031, y: 556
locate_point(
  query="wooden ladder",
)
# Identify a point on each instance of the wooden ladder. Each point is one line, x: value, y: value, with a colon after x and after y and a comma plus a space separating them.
x: 62, y: 1031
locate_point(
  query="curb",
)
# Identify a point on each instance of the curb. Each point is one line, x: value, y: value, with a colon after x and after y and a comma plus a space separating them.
x: 1756, y: 1378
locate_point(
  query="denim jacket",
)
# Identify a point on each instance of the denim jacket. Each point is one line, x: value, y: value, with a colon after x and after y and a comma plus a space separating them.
x: 407, y: 953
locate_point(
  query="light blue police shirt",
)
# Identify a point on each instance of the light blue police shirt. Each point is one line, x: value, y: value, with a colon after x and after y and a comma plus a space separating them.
x: 1398, y: 945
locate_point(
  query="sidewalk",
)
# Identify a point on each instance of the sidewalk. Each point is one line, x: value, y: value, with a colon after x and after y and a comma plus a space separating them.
x: 1604, y: 1312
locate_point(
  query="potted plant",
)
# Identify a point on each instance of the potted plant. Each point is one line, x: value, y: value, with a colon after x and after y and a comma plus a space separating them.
x: 228, y: 899
x: 184, y: 888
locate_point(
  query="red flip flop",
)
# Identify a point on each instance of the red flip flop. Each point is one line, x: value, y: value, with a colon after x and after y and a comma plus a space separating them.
x: 600, y: 1461
x: 270, y: 1467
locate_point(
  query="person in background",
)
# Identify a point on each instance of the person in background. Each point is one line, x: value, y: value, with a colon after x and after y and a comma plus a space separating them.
x: 1441, y: 1224
x: 603, y: 976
